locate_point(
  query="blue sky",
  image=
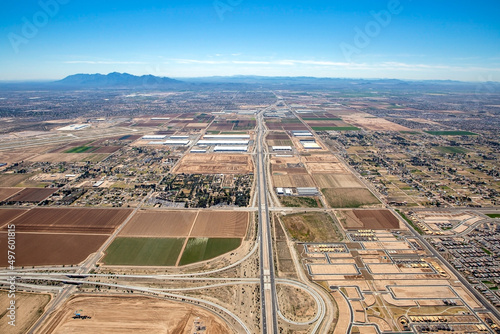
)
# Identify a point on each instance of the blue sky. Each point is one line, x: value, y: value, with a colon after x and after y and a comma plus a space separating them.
x: 417, y: 39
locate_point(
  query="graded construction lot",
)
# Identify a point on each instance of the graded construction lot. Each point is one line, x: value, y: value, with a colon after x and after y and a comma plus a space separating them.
x: 32, y: 195
x: 337, y: 181
x: 143, y: 251
x: 40, y: 249
x: 368, y: 219
x: 201, y: 249
x: 213, y: 224
x: 349, y: 197
x: 29, y: 307
x: 6, y: 215
x: 129, y: 314
x: 215, y: 164
x: 8, y: 192
x: 74, y: 220
x: 422, y: 292
x: 326, y: 167
x: 370, y: 122
x: 293, y: 181
x: 311, y: 227
x: 69, y: 157
x: 321, y: 158
x: 159, y: 224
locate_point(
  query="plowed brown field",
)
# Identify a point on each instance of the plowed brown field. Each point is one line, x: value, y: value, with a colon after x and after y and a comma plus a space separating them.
x: 337, y: 181
x: 160, y: 224
x: 32, y: 194
x: 34, y: 249
x: 377, y: 219
x: 210, y: 224
x: 7, y: 192
x: 6, y: 215
x: 74, y: 220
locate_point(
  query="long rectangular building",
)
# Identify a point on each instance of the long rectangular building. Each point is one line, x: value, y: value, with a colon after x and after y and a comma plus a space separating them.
x: 230, y: 148
x: 213, y: 142
x: 226, y: 137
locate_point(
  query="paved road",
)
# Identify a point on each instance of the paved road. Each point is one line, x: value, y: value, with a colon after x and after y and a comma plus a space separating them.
x: 267, y: 276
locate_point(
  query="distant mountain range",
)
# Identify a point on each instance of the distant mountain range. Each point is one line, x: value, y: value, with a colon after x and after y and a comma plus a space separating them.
x: 116, y: 80
x: 125, y: 81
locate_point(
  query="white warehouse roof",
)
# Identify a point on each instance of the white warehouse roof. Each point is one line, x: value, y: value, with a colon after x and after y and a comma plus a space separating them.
x: 223, y: 142
x: 231, y: 148
x: 176, y: 142
x: 282, y: 148
x: 302, y: 133
x: 310, y: 145
x: 154, y: 137
x: 226, y: 137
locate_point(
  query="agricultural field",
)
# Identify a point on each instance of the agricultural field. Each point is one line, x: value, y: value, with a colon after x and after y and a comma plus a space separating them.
x: 32, y: 195
x: 29, y: 307
x: 43, y: 249
x: 335, y: 128
x: 74, y: 220
x: 349, y: 197
x: 300, y: 202
x: 367, y: 219
x: 122, y: 314
x: 202, y: 249
x: 493, y: 215
x: 215, y: 164
x: 5, y: 193
x: 312, y: 227
x: 293, y: 180
x: 159, y: 224
x: 326, y: 167
x: 451, y: 149
x: 213, y: 224
x: 81, y: 149
x: 337, y: 181
x: 143, y: 251
x: 6, y: 215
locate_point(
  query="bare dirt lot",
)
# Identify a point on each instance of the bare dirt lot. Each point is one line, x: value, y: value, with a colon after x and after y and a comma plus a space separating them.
x: 38, y: 249
x: 127, y: 314
x: 159, y: 224
x: 107, y: 149
x: 213, y: 224
x: 69, y: 157
x: 6, y: 215
x: 423, y: 292
x: 321, y: 158
x: 7, y: 192
x: 312, y: 227
x: 349, y: 197
x: 29, y: 307
x: 32, y: 194
x: 370, y: 122
x: 215, y: 164
x: 377, y: 219
x: 292, y: 181
x: 337, y: 181
x: 326, y: 167
x: 74, y: 220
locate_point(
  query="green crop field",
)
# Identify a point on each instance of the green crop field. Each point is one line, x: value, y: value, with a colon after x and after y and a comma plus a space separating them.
x: 493, y: 215
x: 335, y: 128
x: 451, y: 133
x: 201, y: 249
x: 451, y: 149
x: 80, y: 149
x: 144, y: 251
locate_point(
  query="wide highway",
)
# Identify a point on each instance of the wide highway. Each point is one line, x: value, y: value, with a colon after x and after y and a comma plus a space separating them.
x: 267, y: 277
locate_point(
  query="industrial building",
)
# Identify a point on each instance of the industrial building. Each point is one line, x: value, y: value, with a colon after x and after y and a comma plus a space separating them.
x: 310, y: 145
x: 212, y: 142
x: 282, y: 148
x: 302, y: 133
x: 74, y: 127
x: 307, y: 191
x: 230, y: 148
x: 179, y: 137
x: 153, y: 137
x: 160, y: 118
x: 226, y: 137
x: 197, y: 150
x: 173, y: 142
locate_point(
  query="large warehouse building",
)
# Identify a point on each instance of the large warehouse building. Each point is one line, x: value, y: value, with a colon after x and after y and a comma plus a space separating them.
x: 231, y: 149
x: 213, y: 142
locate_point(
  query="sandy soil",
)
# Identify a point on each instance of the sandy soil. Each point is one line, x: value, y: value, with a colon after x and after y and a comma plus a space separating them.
x: 215, y: 164
x: 212, y: 224
x: 127, y: 314
x: 29, y: 307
